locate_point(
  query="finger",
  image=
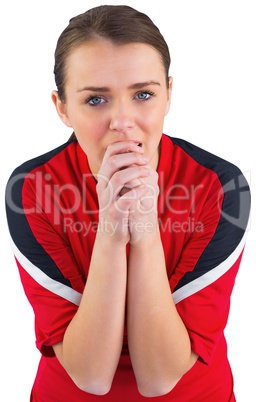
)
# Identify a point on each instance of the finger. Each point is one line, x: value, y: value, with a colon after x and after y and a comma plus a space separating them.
x: 124, y: 146
x: 121, y: 147
x: 121, y: 163
x: 134, y: 183
x: 130, y: 198
x: 125, y: 178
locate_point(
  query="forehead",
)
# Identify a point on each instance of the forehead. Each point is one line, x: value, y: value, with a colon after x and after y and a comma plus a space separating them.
x: 101, y: 59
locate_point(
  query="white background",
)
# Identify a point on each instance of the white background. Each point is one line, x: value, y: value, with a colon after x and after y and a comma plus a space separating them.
x: 213, y: 49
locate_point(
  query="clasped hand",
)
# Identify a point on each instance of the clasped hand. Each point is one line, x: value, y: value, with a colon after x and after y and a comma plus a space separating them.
x: 127, y: 191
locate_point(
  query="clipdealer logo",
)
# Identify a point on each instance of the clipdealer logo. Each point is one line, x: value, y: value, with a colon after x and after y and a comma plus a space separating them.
x: 179, y: 200
x: 46, y: 190
x: 237, y: 194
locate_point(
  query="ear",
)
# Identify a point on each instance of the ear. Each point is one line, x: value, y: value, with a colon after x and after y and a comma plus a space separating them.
x: 169, y: 95
x: 61, y: 108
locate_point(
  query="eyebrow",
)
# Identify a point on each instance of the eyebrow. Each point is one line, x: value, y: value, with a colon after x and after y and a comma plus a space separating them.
x: 136, y: 85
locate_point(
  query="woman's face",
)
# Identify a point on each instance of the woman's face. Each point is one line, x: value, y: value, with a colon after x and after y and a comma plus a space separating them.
x: 115, y: 93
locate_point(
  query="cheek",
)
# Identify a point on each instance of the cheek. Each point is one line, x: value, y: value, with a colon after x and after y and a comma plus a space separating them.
x: 90, y: 126
x: 91, y: 134
x: 153, y: 119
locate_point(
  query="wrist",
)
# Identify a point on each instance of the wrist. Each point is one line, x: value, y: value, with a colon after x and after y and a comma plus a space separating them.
x: 144, y: 231
x: 111, y: 234
x: 148, y: 239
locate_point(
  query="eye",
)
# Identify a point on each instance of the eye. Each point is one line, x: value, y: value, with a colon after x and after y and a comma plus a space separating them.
x: 144, y: 95
x: 95, y: 100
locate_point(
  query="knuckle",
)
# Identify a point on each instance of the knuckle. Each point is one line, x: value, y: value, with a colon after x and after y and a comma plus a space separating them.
x: 155, y: 176
x: 118, y: 178
x: 111, y: 147
x: 137, y: 156
x: 113, y: 162
x: 101, y: 184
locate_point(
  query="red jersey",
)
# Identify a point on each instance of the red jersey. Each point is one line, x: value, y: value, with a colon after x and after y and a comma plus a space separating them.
x: 203, y: 209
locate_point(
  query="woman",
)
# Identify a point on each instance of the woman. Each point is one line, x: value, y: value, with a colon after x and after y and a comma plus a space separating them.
x: 127, y: 241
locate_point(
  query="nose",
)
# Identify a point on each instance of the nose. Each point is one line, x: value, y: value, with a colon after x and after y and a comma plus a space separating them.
x: 122, y: 118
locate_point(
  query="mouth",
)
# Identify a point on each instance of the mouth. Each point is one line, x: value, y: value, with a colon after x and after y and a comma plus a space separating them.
x: 139, y: 144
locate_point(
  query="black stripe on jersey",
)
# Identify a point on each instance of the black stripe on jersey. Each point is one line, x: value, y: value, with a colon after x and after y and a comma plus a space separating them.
x: 19, y: 228
x: 234, y: 215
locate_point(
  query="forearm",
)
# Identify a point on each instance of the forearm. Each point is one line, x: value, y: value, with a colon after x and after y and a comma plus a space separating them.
x: 92, y: 343
x: 159, y: 344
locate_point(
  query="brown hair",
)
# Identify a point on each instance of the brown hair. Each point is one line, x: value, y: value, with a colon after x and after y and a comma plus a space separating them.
x: 120, y: 24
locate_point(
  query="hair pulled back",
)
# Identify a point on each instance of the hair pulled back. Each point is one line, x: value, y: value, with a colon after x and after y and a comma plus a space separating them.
x: 119, y: 24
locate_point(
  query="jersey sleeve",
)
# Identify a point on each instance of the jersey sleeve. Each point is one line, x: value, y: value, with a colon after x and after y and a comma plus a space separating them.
x: 204, y: 277
x: 48, y: 269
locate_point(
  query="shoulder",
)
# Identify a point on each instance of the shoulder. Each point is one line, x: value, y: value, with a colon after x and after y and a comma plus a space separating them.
x: 39, y: 161
x: 222, y: 180
x: 28, y: 178
x: 195, y: 157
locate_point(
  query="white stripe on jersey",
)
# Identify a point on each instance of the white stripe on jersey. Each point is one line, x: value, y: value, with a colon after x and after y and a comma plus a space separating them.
x: 75, y: 297
x: 211, y: 276
x: 44, y: 280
